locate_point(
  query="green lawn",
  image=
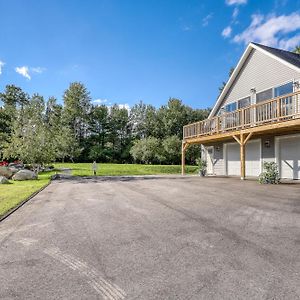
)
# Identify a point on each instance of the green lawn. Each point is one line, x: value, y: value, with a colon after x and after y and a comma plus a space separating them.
x: 12, y: 194
x: 85, y: 169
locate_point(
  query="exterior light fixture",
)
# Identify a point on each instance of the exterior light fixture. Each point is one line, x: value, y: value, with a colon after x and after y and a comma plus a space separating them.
x: 296, y: 84
x: 253, y: 90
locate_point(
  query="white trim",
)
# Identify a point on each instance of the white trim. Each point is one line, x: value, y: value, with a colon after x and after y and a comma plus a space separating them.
x: 211, y: 157
x: 237, y: 69
x: 277, y: 148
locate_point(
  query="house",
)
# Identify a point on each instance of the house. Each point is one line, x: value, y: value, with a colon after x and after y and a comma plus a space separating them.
x: 255, y: 119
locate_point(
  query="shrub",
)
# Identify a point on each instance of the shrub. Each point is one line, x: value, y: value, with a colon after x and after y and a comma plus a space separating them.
x: 202, y: 166
x: 270, y: 174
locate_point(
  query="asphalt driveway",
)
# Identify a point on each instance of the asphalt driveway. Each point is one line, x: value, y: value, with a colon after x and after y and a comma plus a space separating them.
x: 153, y: 238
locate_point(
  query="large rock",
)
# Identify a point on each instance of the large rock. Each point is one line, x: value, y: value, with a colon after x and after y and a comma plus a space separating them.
x: 18, y: 166
x: 14, y: 170
x: 3, y: 180
x: 6, y: 172
x: 24, y: 175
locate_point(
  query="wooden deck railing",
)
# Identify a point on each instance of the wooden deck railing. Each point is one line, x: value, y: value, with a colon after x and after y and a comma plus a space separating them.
x: 279, y: 109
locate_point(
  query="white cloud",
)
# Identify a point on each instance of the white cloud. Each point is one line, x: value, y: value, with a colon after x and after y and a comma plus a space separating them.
x: 186, y: 28
x: 226, y: 33
x: 38, y: 70
x: 206, y: 19
x: 2, y: 63
x: 290, y: 43
x: 235, y: 13
x: 272, y: 31
x: 126, y: 106
x: 236, y: 2
x: 24, y: 71
x: 100, y: 101
x: 109, y: 103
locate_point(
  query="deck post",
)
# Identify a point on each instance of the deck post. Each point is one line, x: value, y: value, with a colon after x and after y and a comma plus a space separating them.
x: 242, y: 154
x: 183, y: 159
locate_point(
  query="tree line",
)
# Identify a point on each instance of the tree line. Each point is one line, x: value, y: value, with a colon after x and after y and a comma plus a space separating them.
x: 39, y: 131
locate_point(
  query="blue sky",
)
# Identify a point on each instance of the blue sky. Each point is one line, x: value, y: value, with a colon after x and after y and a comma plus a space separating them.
x: 130, y: 50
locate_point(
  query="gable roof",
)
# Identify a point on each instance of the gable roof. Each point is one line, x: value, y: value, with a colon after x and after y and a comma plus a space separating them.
x: 290, y: 59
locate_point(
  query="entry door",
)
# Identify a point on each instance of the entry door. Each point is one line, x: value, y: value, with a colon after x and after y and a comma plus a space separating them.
x: 289, y: 157
x: 209, y: 160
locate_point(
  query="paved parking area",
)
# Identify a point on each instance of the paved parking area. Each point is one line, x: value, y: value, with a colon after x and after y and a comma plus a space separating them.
x: 154, y: 238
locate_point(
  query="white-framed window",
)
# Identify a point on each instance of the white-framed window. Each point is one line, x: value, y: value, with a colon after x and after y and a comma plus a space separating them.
x: 264, y: 95
x: 284, y: 89
x: 244, y: 102
x: 230, y: 107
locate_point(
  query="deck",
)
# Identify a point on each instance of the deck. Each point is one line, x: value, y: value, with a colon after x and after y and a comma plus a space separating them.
x: 278, y: 116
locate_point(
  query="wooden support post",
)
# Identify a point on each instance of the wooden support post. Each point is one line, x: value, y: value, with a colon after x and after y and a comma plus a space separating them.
x: 242, y: 142
x: 184, y: 146
x: 242, y: 154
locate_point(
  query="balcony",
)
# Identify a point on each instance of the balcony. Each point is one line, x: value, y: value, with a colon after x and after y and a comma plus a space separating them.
x: 278, y: 114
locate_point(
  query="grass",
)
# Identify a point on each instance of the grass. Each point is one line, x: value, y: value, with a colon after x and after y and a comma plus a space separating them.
x: 105, y: 169
x: 14, y: 193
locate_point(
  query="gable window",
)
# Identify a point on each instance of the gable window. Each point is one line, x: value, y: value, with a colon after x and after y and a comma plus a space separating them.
x: 230, y: 107
x: 244, y: 102
x: 283, y: 89
x: 265, y: 95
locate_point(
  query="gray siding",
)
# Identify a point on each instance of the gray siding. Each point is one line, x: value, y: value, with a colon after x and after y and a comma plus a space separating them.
x: 268, y: 153
x: 260, y: 72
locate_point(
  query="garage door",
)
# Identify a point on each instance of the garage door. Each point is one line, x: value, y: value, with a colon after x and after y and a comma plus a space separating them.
x: 289, y: 157
x: 253, y: 163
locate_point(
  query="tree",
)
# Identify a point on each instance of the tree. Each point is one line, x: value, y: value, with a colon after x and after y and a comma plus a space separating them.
x: 30, y: 140
x: 221, y: 88
x: 119, y: 133
x: 63, y: 142
x: 297, y: 49
x: 13, y: 98
x: 146, y: 150
x: 171, y: 147
x: 77, y: 107
x: 99, y: 129
x: 173, y: 117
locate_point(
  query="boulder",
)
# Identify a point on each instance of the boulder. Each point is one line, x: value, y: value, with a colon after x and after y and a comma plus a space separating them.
x: 14, y: 170
x: 3, y: 180
x: 18, y: 166
x: 24, y: 175
x: 6, y: 172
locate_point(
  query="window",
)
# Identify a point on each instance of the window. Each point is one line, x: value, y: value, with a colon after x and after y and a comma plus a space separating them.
x: 244, y: 102
x: 284, y: 89
x: 230, y: 107
x: 265, y: 95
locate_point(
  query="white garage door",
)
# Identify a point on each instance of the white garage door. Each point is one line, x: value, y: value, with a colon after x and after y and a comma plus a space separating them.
x: 289, y: 157
x: 253, y: 154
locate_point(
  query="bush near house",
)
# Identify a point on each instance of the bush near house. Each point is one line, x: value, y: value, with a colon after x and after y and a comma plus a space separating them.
x: 270, y: 174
